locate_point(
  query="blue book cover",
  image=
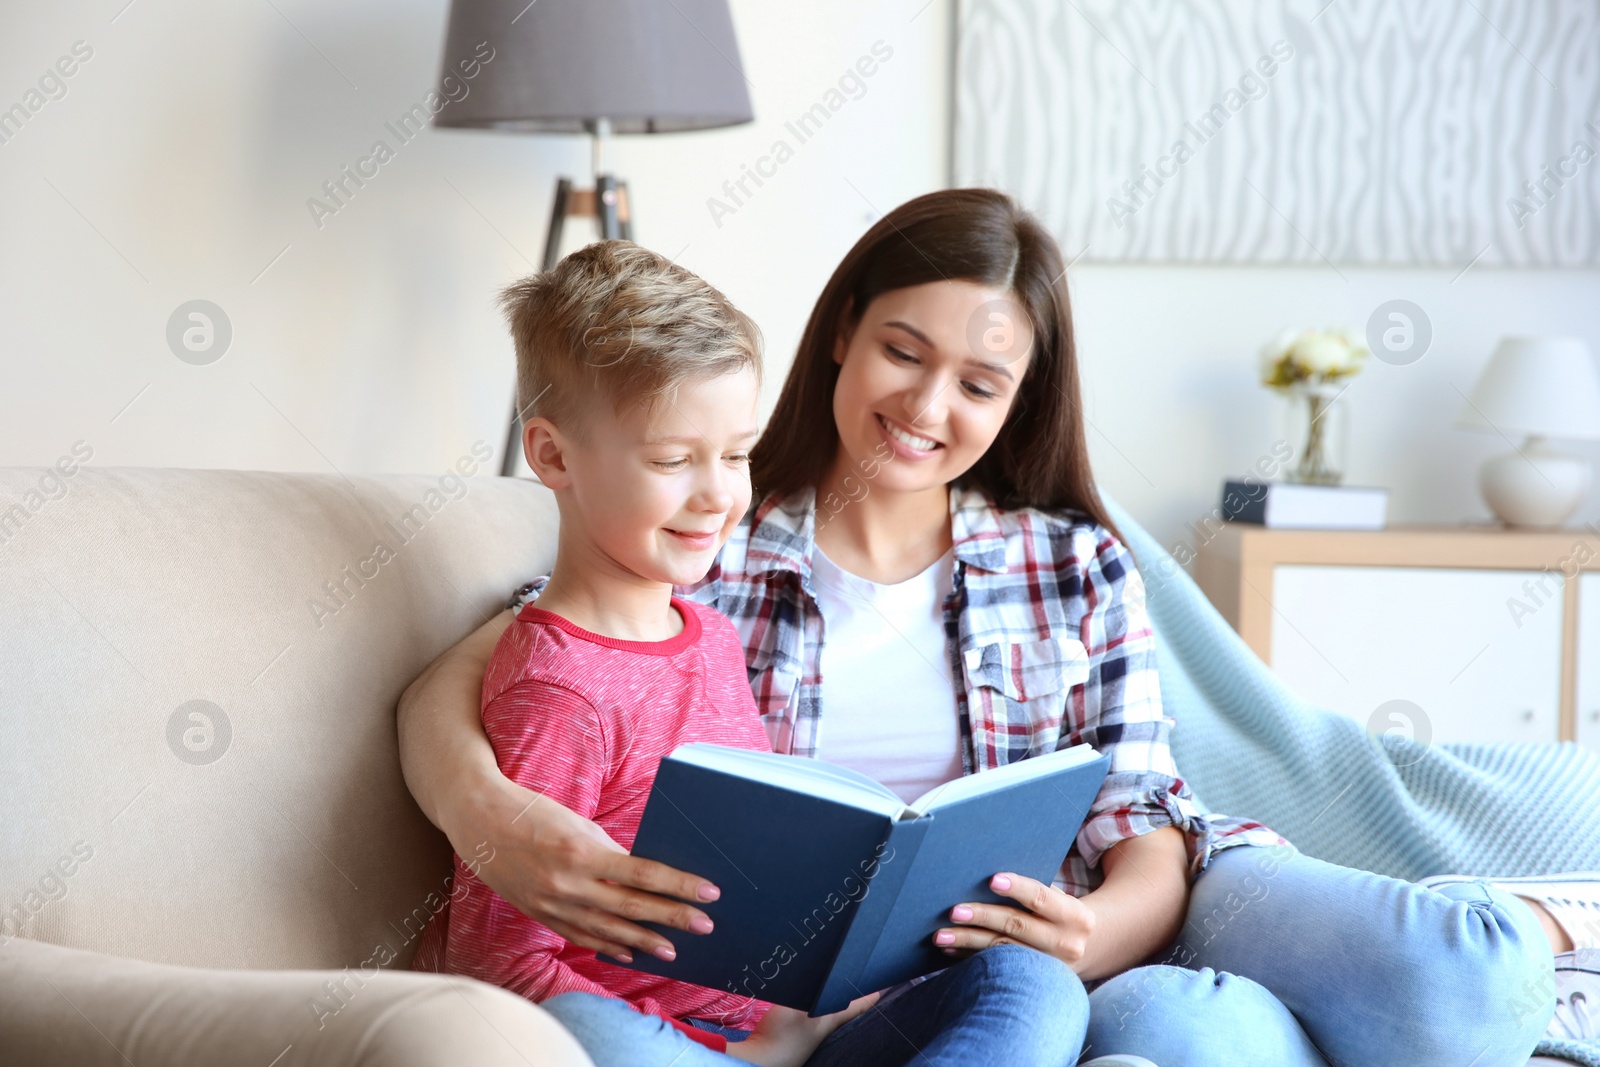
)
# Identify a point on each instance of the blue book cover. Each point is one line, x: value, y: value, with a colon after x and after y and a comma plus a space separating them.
x: 832, y: 887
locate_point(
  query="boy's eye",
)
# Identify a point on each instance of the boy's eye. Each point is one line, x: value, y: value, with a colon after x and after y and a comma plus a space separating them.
x: 669, y: 464
x: 738, y: 457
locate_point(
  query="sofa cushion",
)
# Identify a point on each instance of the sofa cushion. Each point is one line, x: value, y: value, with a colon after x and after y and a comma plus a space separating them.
x: 198, y: 677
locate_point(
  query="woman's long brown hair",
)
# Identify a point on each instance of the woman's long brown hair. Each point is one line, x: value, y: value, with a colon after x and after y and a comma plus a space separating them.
x: 1041, y: 457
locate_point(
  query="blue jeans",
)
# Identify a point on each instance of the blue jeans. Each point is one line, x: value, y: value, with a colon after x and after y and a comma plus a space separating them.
x: 1283, y: 961
x: 1005, y: 1005
x: 1288, y: 961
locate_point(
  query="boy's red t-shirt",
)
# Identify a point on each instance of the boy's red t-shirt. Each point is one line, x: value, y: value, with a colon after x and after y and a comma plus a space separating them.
x: 584, y: 719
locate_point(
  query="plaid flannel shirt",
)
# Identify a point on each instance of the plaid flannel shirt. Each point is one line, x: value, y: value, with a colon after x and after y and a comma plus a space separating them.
x: 1046, y: 636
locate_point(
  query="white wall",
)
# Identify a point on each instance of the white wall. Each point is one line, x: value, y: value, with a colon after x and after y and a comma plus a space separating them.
x: 1170, y: 379
x: 192, y: 139
x: 179, y: 164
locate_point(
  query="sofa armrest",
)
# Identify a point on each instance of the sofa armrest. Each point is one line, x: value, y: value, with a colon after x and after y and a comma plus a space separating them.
x: 67, y: 1006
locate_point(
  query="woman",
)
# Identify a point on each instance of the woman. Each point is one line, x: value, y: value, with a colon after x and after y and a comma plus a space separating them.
x: 931, y: 572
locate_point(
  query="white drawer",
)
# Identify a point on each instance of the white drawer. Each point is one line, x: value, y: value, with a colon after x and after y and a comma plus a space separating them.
x: 1356, y: 638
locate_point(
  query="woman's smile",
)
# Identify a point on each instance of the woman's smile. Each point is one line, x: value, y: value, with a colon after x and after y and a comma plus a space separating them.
x: 907, y: 445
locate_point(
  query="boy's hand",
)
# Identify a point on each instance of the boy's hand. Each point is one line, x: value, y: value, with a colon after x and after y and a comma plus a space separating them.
x: 786, y: 1038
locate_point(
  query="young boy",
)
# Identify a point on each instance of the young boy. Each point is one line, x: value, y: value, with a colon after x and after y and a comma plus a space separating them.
x: 639, y: 384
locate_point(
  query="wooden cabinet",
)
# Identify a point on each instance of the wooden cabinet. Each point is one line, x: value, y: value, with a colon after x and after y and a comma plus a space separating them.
x: 1485, y: 635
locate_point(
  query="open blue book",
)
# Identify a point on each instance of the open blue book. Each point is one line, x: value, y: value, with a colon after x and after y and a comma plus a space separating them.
x: 832, y: 887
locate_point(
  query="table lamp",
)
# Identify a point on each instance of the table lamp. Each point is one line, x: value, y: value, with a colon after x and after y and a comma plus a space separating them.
x: 1538, y: 387
x: 599, y: 67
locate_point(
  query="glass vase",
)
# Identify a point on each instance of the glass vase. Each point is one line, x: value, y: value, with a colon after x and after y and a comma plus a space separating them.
x: 1316, y: 428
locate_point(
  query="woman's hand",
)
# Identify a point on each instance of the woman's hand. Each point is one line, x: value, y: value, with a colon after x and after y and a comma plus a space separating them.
x: 564, y: 871
x: 553, y: 865
x: 1138, y: 909
x: 786, y: 1038
x: 1047, y: 919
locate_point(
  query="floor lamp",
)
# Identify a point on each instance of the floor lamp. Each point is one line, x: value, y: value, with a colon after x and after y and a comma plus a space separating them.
x: 599, y: 67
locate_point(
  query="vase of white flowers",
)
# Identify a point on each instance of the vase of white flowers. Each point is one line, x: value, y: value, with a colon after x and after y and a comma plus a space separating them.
x: 1311, y: 369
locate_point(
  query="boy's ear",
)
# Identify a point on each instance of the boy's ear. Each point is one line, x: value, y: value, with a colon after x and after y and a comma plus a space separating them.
x: 545, y: 449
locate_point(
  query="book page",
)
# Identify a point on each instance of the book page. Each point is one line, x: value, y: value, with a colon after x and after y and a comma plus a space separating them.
x: 971, y: 785
x: 813, y: 777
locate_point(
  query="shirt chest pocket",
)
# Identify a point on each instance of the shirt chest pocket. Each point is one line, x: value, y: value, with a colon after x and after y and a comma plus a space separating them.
x: 1025, y: 680
x: 774, y: 680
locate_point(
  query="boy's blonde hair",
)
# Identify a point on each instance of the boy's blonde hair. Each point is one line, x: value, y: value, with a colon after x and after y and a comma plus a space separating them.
x: 619, y: 322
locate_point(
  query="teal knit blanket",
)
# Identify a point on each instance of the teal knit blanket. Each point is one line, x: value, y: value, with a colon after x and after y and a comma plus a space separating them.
x: 1248, y: 746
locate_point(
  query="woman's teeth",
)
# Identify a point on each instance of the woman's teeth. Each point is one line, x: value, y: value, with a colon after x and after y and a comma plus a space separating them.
x: 922, y: 444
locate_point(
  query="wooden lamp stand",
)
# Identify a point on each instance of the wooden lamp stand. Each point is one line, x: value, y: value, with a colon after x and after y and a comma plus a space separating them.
x: 607, y: 204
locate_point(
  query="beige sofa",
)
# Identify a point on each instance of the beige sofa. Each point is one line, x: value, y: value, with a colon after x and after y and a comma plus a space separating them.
x: 207, y: 852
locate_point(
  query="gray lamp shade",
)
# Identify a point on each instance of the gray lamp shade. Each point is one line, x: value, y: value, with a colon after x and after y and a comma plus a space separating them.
x: 649, y: 66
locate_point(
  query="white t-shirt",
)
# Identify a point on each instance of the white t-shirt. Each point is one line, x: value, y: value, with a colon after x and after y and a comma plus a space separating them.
x: 889, y: 705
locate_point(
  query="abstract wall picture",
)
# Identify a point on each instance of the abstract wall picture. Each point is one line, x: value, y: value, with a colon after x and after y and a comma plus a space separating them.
x: 1414, y: 133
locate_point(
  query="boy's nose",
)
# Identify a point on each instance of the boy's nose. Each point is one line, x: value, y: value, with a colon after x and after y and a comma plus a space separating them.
x: 713, y: 495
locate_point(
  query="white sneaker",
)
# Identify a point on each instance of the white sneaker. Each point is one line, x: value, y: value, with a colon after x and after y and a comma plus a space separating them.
x: 1577, y: 1015
x: 1572, y: 899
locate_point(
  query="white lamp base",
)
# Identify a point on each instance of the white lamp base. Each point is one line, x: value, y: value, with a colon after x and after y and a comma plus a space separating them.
x: 1536, y: 486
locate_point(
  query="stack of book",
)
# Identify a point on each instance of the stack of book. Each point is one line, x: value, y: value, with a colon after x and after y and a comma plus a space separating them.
x: 1290, y: 506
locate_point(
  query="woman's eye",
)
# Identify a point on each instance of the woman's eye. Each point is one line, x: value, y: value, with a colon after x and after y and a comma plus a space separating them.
x: 738, y: 457
x: 899, y: 355
x: 979, y: 391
